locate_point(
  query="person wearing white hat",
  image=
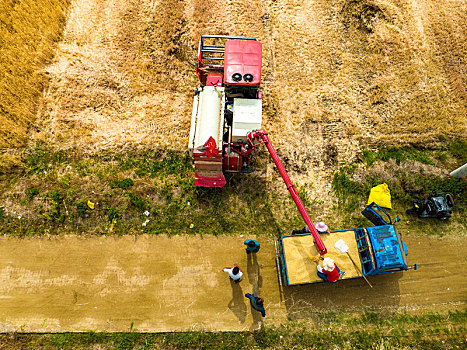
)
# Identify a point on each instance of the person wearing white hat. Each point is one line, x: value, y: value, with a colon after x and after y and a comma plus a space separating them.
x: 329, y: 272
x: 320, y: 226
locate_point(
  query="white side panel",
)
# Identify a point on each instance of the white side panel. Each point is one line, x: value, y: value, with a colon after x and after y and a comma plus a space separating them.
x: 194, y: 114
x: 208, y: 121
x: 221, y: 122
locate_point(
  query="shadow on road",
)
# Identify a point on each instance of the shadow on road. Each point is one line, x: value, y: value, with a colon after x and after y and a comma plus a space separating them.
x: 303, y: 301
x: 256, y: 281
x: 257, y: 320
x: 237, y: 304
x: 254, y: 274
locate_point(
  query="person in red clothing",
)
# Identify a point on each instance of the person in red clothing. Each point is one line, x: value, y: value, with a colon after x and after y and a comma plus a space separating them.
x: 329, y: 272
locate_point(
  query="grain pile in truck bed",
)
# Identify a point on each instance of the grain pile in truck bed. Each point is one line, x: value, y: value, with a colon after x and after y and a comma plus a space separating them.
x: 336, y: 74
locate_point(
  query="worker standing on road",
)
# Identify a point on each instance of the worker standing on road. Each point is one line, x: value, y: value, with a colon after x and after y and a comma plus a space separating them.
x: 329, y: 272
x: 252, y: 246
x: 235, y: 273
x: 256, y: 303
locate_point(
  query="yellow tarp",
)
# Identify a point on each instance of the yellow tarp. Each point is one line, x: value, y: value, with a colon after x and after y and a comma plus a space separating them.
x: 300, y: 251
x: 380, y: 195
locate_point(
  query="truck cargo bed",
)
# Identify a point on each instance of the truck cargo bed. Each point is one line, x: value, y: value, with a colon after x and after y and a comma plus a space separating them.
x: 296, y: 255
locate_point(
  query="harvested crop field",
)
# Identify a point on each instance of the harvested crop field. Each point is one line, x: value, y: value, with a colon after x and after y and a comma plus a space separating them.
x: 336, y: 74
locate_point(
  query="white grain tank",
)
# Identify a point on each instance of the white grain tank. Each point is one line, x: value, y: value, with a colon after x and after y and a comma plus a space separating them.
x: 207, y: 117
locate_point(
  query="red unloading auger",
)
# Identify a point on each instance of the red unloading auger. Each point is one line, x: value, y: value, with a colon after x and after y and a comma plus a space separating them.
x: 262, y: 136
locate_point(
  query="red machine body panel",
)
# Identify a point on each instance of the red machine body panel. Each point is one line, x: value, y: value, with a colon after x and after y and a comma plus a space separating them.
x: 208, y: 170
x: 214, y: 80
x: 232, y: 161
x: 242, y: 57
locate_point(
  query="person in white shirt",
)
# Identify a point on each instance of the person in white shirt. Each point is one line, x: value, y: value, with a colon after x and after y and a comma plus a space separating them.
x: 234, y: 273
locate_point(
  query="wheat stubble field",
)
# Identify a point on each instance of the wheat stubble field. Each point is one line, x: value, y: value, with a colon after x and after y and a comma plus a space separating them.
x: 337, y: 75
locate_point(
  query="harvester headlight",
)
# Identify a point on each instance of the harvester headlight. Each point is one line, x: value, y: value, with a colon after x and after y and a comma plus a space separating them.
x: 236, y: 77
x: 248, y: 78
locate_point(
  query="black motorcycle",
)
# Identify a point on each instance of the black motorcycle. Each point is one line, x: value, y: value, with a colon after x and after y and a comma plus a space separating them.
x: 439, y: 205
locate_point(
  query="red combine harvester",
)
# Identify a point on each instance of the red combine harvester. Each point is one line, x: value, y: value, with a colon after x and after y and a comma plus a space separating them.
x: 227, y: 115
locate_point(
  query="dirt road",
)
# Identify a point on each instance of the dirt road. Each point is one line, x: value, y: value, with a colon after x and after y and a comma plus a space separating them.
x: 163, y: 283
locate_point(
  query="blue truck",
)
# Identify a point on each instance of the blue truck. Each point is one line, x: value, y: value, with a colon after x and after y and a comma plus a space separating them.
x: 373, y: 250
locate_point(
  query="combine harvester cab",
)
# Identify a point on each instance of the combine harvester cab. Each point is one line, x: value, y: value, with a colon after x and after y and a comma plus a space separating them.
x: 375, y: 250
x: 227, y: 106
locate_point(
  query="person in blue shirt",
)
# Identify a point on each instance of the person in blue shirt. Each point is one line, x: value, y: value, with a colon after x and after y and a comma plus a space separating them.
x: 252, y: 246
x: 256, y: 303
